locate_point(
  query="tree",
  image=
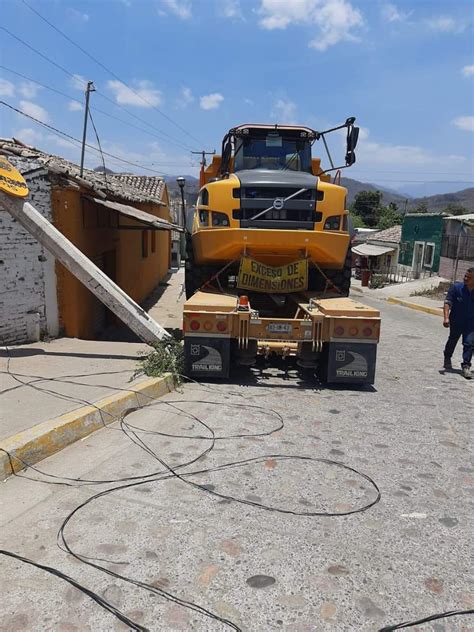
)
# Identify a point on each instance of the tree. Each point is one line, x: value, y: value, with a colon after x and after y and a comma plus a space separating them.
x: 456, y: 209
x: 421, y: 207
x: 357, y: 221
x: 368, y: 205
x: 389, y: 216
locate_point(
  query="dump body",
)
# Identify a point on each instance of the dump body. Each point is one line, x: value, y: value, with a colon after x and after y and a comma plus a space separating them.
x: 337, y: 336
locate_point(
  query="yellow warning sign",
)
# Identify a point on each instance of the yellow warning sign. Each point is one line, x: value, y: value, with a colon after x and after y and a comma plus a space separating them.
x: 256, y: 276
x: 11, y: 180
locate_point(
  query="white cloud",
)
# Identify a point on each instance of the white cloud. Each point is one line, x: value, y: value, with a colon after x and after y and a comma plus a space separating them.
x: 467, y: 71
x: 284, y: 111
x: 78, y: 82
x: 7, y: 89
x: 391, y: 13
x: 78, y: 16
x: 249, y: 102
x: 211, y: 101
x: 143, y: 95
x: 74, y: 106
x: 445, y: 24
x: 185, y: 98
x: 464, y: 122
x: 373, y: 154
x: 28, y: 135
x: 230, y: 9
x: 28, y: 89
x: 334, y: 19
x: 34, y: 110
x: 181, y: 8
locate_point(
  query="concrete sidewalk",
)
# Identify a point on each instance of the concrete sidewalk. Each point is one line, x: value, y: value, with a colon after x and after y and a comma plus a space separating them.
x: 54, y: 393
x: 43, y: 380
x: 401, y: 294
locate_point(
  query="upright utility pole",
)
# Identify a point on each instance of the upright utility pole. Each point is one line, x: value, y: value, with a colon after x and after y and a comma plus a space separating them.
x: 203, y: 155
x: 90, y: 88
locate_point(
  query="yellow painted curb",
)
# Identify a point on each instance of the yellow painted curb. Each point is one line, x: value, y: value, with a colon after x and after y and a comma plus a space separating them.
x: 436, y: 311
x: 48, y: 437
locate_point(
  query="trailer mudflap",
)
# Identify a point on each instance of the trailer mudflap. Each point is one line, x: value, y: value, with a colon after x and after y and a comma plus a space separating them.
x: 350, y: 362
x: 207, y: 356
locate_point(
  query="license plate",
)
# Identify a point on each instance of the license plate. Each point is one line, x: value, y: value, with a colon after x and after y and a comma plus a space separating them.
x: 280, y: 328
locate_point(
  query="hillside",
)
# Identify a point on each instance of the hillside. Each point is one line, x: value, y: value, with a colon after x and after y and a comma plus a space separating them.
x: 434, y: 203
x: 438, y: 203
x: 354, y: 186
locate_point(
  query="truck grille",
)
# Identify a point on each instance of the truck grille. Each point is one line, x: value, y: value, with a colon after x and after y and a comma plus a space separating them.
x: 270, y: 193
x: 285, y: 215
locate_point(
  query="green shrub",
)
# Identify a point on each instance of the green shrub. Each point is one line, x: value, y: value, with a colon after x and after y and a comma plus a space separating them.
x: 166, y: 356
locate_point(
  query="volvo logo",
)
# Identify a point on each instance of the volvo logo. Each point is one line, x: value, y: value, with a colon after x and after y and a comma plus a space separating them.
x: 278, y: 204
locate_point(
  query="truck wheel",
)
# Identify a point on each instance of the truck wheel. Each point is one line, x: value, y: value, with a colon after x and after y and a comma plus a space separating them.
x: 340, y: 278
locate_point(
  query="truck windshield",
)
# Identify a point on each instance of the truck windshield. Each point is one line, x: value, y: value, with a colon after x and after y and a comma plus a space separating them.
x: 273, y: 151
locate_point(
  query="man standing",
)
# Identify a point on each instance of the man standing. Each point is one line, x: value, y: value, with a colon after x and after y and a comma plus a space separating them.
x: 459, y: 317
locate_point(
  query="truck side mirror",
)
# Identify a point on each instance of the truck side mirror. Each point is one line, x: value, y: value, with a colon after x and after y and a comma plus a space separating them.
x: 352, y: 138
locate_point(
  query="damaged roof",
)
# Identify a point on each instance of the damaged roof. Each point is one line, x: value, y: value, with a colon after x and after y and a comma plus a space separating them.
x: 129, y: 187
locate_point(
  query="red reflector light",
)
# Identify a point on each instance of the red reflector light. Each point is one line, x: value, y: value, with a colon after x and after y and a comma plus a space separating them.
x: 367, y: 331
x: 194, y: 324
x: 339, y: 330
x: 353, y: 331
x: 221, y: 325
x: 208, y: 325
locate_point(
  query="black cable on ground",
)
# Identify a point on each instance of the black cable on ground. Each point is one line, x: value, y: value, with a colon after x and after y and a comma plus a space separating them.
x: 433, y: 617
x: 94, y: 596
x: 133, y: 434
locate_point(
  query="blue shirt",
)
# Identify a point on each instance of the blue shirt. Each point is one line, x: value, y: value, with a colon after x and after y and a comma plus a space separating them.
x: 461, y: 301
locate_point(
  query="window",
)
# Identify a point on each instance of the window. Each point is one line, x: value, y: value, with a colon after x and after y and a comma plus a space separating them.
x: 144, y: 244
x: 429, y: 255
x: 272, y: 150
x: 153, y: 241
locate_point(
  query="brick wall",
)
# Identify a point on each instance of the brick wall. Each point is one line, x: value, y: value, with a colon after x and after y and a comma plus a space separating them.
x: 446, y: 268
x: 27, y: 276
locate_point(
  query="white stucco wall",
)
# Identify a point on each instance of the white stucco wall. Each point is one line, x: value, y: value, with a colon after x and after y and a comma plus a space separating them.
x: 27, y: 270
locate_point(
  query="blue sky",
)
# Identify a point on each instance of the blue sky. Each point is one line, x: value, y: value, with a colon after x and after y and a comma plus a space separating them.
x: 199, y: 67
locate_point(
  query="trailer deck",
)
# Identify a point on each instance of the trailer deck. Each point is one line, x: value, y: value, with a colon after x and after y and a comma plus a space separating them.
x: 337, y: 336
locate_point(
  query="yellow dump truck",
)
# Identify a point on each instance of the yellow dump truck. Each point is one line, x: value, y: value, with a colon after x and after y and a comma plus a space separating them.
x: 268, y: 263
x: 266, y: 197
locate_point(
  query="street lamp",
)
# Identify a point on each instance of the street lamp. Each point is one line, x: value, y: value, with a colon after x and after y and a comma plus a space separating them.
x: 181, y: 182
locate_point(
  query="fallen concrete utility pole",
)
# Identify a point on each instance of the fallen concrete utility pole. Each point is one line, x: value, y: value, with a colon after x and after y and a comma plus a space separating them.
x: 83, y: 269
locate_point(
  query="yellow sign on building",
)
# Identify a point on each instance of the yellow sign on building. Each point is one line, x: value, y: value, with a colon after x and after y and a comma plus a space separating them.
x: 11, y: 180
x: 256, y: 276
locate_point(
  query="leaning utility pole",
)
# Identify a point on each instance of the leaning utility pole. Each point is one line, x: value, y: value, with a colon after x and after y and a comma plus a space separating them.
x: 89, y: 88
x: 13, y: 190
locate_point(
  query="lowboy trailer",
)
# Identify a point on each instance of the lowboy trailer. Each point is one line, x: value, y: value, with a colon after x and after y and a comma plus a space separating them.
x: 335, y: 336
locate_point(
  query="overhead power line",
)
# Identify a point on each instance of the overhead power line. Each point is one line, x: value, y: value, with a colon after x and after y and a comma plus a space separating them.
x: 111, y: 72
x: 76, y: 140
x: 103, y: 96
x: 96, y: 109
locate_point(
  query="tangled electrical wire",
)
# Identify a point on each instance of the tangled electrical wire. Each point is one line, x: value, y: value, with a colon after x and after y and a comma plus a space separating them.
x: 134, y: 433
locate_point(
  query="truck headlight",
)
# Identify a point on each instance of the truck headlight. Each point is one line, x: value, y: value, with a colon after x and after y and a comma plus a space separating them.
x: 219, y: 219
x: 333, y: 223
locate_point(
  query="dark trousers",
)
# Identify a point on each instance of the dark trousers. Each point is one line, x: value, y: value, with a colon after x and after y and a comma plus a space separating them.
x: 455, y: 332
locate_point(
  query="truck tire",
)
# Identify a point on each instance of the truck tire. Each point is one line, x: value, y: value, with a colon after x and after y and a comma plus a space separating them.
x: 340, y: 278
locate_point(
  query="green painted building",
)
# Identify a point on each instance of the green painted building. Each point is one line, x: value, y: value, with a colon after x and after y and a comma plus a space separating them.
x: 420, y: 246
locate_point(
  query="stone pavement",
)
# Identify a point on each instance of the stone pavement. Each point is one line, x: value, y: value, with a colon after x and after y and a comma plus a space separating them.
x: 404, y: 558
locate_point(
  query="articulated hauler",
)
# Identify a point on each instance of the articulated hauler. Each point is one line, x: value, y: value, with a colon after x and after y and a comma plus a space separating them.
x: 268, y: 260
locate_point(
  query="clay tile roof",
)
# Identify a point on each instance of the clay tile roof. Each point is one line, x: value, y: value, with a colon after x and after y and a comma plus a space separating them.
x: 152, y: 186
x: 392, y: 235
x: 123, y: 187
